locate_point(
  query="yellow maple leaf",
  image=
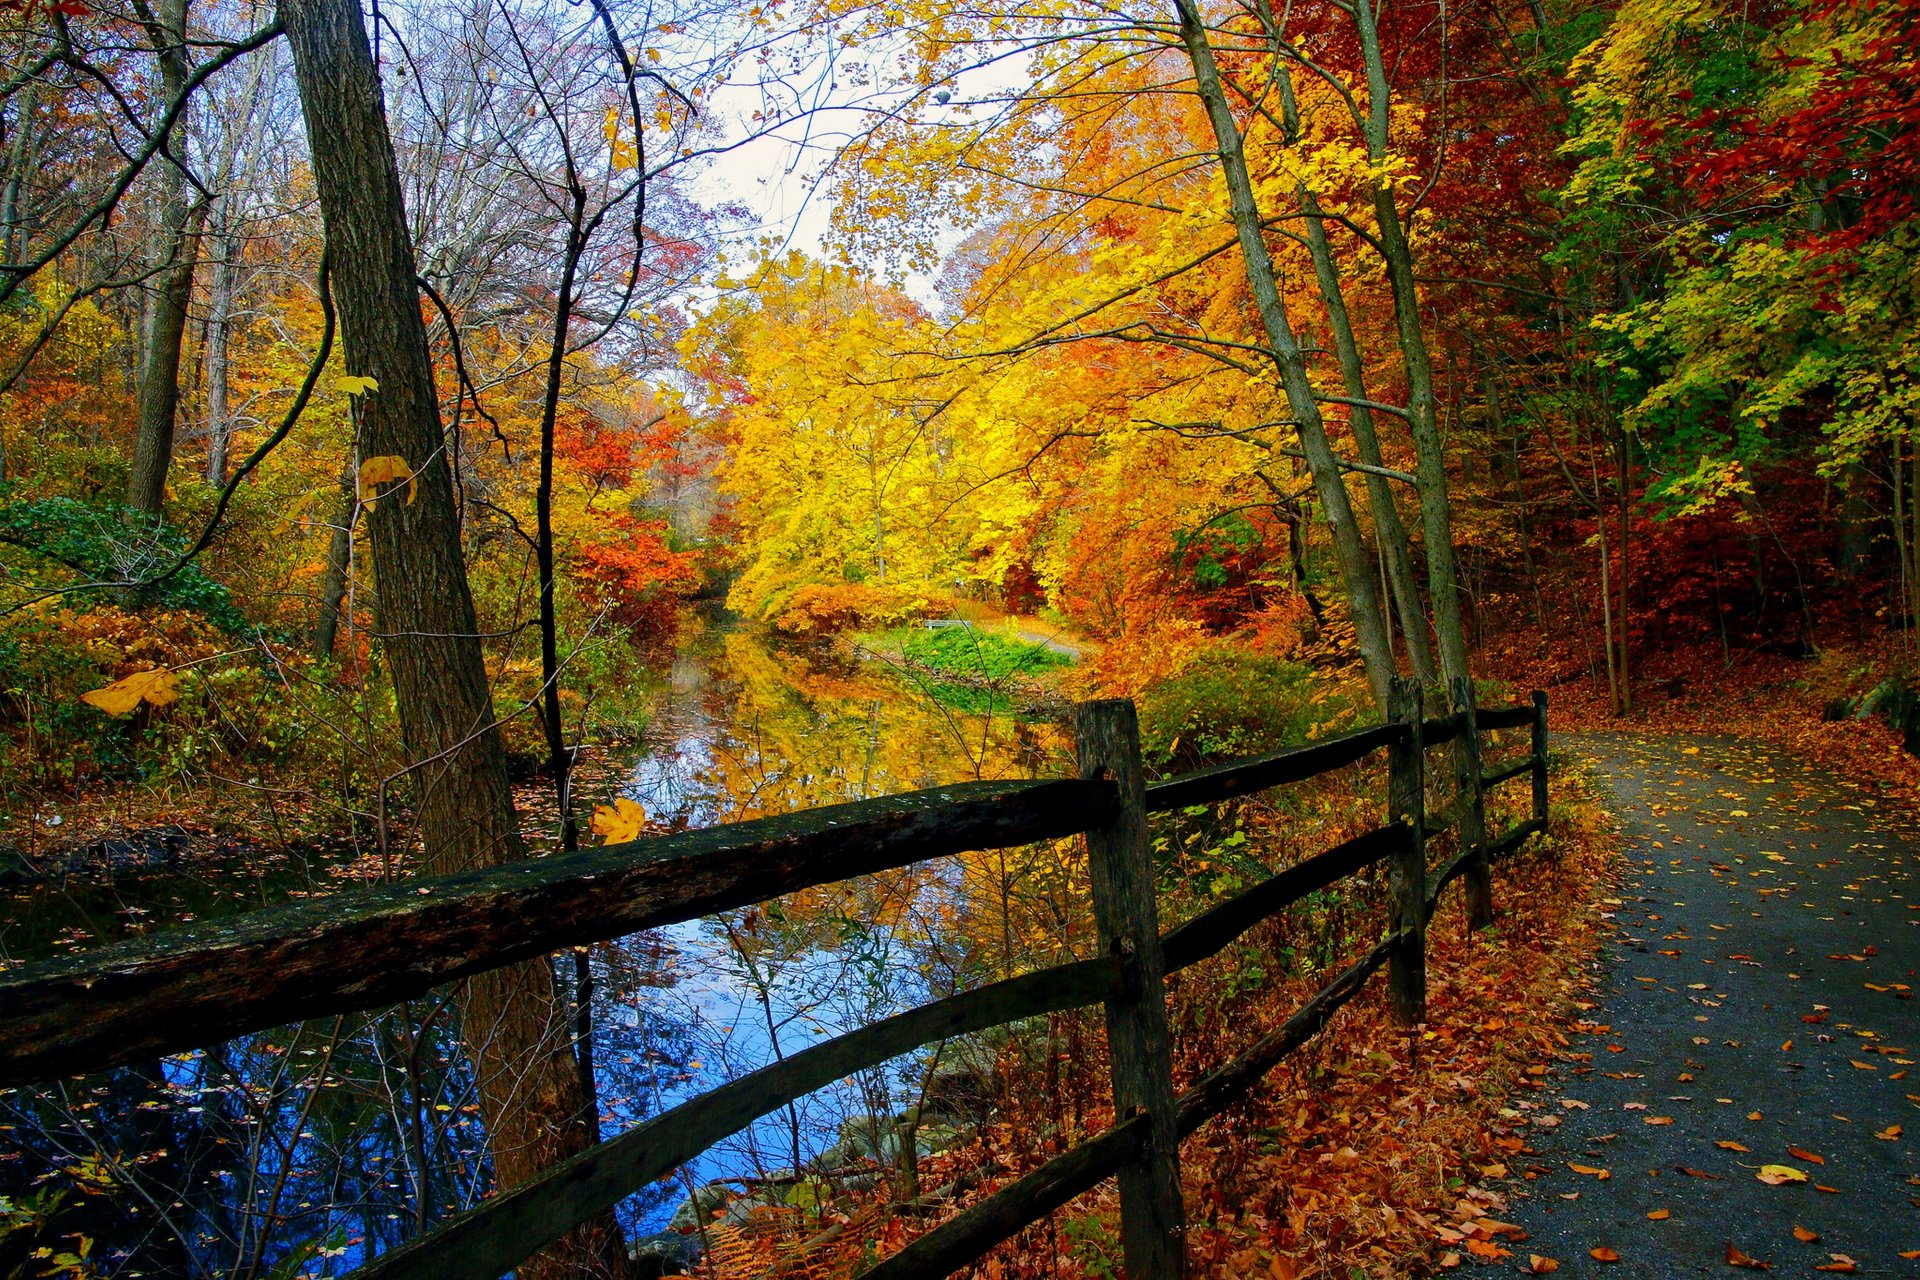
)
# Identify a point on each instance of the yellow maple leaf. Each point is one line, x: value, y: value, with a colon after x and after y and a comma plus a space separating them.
x: 355, y: 385
x: 157, y: 688
x: 625, y: 154
x: 619, y: 823
x: 386, y: 469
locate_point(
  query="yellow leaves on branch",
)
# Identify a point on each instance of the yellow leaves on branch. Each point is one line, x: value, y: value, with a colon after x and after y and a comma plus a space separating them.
x: 387, y: 469
x: 355, y: 385
x: 625, y: 154
x: 619, y: 823
x: 156, y: 688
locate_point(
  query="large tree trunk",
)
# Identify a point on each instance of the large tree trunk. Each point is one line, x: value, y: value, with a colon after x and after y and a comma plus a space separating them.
x: 1436, y: 516
x: 172, y: 287
x: 513, y: 1019
x: 1356, y: 567
x: 1387, y: 525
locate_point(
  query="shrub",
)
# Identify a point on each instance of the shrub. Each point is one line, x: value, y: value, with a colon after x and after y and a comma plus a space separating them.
x: 820, y: 611
x: 1227, y: 702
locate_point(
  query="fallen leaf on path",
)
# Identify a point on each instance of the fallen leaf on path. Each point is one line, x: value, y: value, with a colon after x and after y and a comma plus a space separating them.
x: 1735, y: 1258
x: 1660, y: 1215
x: 1590, y: 1170
x: 1890, y: 1134
x: 1775, y: 1175
x: 1697, y: 1173
x: 1725, y: 1145
x: 1603, y: 1254
x: 1805, y: 1236
x: 1540, y: 1265
x: 1658, y: 1120
x: 1801, y: 1153
x: 1841, y: 1264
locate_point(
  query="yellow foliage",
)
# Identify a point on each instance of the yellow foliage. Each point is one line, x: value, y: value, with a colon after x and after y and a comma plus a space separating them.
x: 388, y: 468
x: 156, y: 688
x: 619, y: 823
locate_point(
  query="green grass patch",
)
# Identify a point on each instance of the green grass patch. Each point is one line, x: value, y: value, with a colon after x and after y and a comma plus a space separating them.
x: 968, y: 651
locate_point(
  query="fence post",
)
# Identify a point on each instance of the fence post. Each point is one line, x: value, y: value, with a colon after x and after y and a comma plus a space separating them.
x: 1407, y: 882
x: 1120, y: 862
x: 1470, y: 803
x: 1540, y: 755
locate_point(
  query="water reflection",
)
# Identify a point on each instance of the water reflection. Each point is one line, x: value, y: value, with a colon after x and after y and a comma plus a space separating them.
x: 306, y: 1149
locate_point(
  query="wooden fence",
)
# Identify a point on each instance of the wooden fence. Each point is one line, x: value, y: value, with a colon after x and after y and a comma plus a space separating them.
x: 197, y: 985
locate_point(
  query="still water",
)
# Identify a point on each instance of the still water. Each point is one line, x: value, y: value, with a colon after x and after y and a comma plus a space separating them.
x: 303, y: 1150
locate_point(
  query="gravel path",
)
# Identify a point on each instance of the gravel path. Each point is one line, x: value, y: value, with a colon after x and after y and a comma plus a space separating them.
x: 1754, y: 1009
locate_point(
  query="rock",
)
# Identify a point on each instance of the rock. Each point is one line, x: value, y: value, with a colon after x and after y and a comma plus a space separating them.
x: 665, y: 1253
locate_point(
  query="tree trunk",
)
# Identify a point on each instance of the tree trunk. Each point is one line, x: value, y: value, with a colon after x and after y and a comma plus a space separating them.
x: 333, y: 581
x: 1431, y: 465
x: 172, y: 289
x: 514, y: 1020
x: 13, y: 229
x: 220, y: 289
x: 1387, y: 525
x: 1356, y: 569
x: 1622, y: 478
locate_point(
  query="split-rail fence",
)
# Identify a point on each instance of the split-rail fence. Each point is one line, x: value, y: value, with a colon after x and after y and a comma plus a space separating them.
x: 200, y: 984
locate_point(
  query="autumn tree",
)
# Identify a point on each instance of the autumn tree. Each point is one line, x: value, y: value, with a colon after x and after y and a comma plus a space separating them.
x: 514, y: 1019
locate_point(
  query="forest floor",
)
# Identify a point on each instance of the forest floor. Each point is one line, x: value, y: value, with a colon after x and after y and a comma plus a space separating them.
x: 1747, y: 1097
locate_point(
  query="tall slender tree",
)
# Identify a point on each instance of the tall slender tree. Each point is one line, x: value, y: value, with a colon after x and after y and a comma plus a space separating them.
x: 514, y: 1019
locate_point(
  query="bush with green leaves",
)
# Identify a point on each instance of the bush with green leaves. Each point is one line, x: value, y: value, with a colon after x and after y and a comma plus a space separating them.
x: 1227, y: 703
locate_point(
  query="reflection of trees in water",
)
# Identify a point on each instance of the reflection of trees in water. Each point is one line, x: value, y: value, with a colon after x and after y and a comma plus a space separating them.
x: 756, y: 731
x: 329, y: 1141
x: 322, y: 1142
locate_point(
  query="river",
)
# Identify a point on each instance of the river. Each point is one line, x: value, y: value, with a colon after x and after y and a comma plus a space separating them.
x: 302, y: 1150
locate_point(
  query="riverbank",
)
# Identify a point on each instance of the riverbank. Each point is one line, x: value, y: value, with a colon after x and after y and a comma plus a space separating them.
x: 1372, y: 1152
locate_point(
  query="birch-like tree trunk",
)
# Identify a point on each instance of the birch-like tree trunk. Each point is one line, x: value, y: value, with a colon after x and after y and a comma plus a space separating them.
x: 171, y: 290
x: 1356, y: 567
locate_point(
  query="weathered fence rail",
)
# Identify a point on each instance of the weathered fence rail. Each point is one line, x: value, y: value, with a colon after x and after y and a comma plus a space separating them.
x: 194, y: 986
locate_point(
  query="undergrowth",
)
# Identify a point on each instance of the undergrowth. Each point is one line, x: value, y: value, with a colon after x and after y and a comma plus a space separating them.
x: 1372, y: 1152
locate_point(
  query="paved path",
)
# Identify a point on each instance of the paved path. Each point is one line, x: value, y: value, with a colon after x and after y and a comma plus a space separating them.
x: 1756, y: 992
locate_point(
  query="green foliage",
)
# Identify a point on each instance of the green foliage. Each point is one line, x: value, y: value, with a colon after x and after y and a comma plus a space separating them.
x: 967, y: 650
x: 108, y: 542
x: 1229, y: 703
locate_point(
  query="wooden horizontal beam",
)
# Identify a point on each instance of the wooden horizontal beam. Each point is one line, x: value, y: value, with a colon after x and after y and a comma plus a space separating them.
x: 1226, y: 1085
x: 1242, y: 777
x: 1451, y: 870
x: 965, y: 1238
x: 498, y: 1234
x: 1511, y: 841
x: 1213, y: 931
x: 1513, y: 770
x: 1515, y: 717
x: 1455, y: 866
x: 1441, y: 730
x: 204, y: 983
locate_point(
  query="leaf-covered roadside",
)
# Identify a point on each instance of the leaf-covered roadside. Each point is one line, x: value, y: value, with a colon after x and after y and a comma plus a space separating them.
x: 1370, y: 1152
